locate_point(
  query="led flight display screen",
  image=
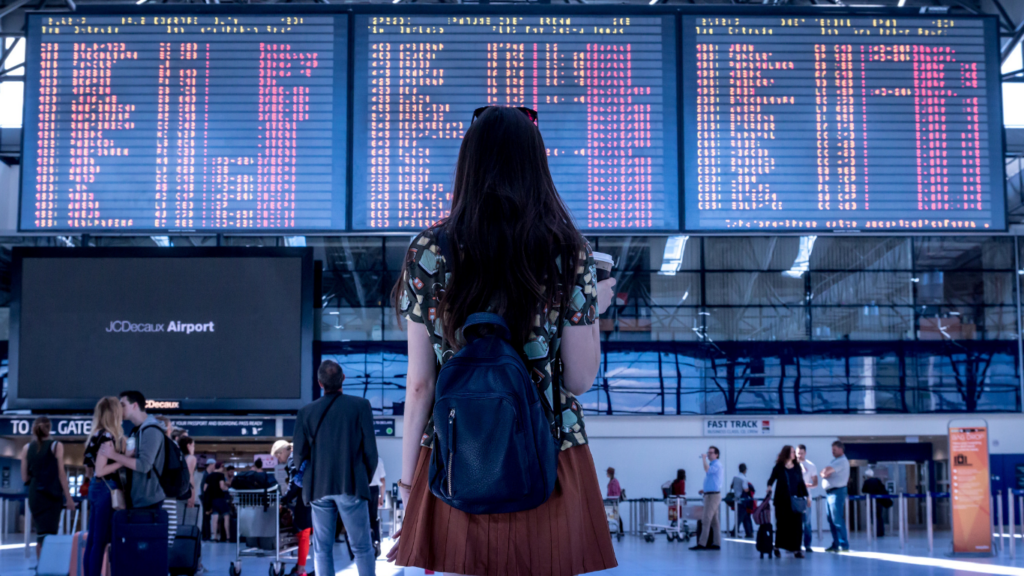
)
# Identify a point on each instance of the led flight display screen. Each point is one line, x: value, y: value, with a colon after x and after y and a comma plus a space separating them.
x: 847, y: 123
x: 604, y: 88
x: 190, y: 122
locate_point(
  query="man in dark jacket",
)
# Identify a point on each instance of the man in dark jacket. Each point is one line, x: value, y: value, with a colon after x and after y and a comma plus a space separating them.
x: 875, y: 487
x: 335, y: 434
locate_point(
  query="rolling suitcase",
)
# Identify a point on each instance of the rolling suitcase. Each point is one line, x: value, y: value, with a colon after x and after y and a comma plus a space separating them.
x: 139, y: 546
x: 78, y: 543
x: 184, y: 556
x: 55, y: 559
x: 765, y: 540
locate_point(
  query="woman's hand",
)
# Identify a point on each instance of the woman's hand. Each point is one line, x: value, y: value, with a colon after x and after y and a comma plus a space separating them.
x: 605, y: 294
x: 69, y: 502
x: 393, y: 553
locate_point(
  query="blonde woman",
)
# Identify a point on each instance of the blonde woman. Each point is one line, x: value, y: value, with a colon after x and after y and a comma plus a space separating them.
x: 106, y: 428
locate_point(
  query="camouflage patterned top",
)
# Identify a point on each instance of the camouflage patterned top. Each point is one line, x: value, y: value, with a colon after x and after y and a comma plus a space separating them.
x: 426, y: 277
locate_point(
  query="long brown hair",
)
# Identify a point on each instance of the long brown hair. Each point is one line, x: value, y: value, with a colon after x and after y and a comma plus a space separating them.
x: 41, y: 428
x: 787, y: 455
x: 508, y: 229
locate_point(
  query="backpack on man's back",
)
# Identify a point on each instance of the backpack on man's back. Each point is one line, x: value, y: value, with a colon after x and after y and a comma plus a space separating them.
x: 173, y: 476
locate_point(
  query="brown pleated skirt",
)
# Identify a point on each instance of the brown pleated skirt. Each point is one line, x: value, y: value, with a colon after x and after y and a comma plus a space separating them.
x: 567, y: 535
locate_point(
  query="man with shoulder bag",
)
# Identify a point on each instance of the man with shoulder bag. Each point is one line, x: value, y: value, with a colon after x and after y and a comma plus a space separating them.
x: 334, y: 436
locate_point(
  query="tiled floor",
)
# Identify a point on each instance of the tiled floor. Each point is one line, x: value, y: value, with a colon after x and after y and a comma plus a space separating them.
x: 662, y: 558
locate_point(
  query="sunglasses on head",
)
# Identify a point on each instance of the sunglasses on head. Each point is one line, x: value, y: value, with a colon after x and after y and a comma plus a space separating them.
x: 529, y: 112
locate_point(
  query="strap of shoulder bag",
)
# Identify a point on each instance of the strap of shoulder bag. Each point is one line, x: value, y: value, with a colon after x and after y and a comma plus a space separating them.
x: 312, y: 441
x: 556, y: 361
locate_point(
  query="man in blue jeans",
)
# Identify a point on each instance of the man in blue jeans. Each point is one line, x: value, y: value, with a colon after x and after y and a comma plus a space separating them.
x: 335, y: 434
x: 811, y: 481
x: 835, y: 476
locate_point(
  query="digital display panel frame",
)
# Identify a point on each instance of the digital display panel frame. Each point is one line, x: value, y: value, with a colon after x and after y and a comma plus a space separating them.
x: 683, y: 125
x: 282, y: 146
x: 133, y: 319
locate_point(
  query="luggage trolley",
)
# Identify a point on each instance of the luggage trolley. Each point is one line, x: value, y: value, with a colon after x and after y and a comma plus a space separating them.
x: 267, y: 500
x: 611, y: 512
x: 678, y: 527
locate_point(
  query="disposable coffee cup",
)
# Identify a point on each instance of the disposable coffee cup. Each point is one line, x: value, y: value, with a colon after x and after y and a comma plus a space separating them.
x: 604, y: 263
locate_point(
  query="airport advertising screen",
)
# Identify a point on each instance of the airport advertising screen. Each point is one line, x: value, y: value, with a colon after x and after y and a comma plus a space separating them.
x: 326, y: 119
x: 604, y: 89
x: 217, y: 122
x: 866, y: 123
x: 187, y: 327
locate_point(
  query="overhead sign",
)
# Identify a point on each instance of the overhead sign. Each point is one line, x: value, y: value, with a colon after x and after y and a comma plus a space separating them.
x: 738, y: 426
x: 227, y: 427
x: 384, y: 426
x: 60, y: 425
x: 970, y: 490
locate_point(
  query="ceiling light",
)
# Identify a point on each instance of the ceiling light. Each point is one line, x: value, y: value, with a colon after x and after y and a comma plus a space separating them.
x: 903, y: 3
x: 672, y: 260
x: 803, y: 258
x: 653, y: 2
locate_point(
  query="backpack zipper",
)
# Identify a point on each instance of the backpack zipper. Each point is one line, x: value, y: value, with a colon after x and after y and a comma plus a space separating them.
x: 451, y: 447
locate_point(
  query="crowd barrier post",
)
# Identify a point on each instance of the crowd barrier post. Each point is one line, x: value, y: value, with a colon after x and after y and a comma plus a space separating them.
x: 1020, y: 511
x: 3, y: 520
x: 1012, y: 522
x: 999, y: 520
x: 821, y: 520
x: 902, y: 521
x: 928, y: 521
x: 867, y: 515
x: 846, y: 515
x: 28, y: 527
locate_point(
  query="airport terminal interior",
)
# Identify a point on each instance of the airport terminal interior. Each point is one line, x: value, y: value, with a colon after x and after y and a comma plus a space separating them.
x: 812, y: 211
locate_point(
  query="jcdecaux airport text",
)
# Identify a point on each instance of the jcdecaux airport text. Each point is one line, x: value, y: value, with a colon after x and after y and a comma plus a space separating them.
x: 173, y: 326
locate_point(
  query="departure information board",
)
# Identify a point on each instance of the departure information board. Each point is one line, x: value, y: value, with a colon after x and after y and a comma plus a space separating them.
x: 190, y: 122
x: 604, y: 88
x: 328, y: 119
x: 844, y: 123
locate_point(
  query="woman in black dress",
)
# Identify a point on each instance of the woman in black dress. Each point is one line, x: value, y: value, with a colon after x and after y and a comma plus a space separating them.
x: 789, y: 480
x: 42, y: 469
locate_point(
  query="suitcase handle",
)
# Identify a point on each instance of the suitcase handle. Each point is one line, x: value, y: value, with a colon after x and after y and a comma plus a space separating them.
x: 143, y: 516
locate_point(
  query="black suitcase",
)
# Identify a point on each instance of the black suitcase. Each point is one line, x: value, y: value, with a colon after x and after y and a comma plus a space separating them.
x: 184, y: 556
x: 765, y: 540
x: 711, y: 536
x: 139, y: 544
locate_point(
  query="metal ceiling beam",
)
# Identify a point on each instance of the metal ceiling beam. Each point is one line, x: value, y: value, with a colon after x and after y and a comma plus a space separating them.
x: 12, y: 7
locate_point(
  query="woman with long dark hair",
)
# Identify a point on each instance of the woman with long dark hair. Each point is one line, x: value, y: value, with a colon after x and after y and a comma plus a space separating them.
x: 42, y: 469
x: 514, y: 252
x: 788, y: 477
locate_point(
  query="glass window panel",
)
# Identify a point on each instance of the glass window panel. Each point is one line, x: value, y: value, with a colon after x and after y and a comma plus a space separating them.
x: 395, y: 249
x: 353, y: 253
x: 355, y: 288
x: 682, y: 289
x: 630, y: 252
x: 863, y: 323
x: 756, y: 323
x: 753, y: 288
x: 670, y: 324
x: 963, y: 252
x: 351, y: 324
x: 954, y: 323
x: 750, y: 253
x: 867, y: 288
x: 971, y: 287
x: 868, y: 253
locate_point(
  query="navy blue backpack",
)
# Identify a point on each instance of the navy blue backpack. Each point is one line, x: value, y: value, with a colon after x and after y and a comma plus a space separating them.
x: 494, y: 451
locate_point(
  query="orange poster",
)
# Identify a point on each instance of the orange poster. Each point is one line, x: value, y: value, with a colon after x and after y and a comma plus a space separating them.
x: 970, y: 490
